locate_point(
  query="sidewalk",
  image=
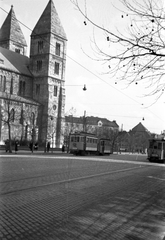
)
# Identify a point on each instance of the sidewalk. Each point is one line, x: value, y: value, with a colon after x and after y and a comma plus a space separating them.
x: 27, y: 152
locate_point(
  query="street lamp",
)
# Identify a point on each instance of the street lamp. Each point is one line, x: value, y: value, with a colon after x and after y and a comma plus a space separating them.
x: 84, y: 88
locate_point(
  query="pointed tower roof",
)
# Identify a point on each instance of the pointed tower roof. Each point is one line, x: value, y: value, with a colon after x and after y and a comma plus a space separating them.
x: 49, y: 22
x: 11, y: 30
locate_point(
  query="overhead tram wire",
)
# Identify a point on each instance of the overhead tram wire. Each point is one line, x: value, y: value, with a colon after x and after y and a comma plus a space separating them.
x: 88, y: 70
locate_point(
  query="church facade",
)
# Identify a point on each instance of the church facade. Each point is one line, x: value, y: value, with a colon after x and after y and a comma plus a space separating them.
x: 32, y: 89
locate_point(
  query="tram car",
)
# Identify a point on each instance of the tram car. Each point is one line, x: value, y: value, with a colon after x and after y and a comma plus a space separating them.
x: 156, y: 150
x: 104, y: 146
x: 87, y: 143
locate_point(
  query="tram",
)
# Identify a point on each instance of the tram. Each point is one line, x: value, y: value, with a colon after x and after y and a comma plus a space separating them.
x: 156, y: 150
x: 104, y: 146
x: 87, y: 143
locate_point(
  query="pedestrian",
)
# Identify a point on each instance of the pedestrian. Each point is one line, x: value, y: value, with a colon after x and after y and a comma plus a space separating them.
x: 63, y: 148
x: 31, y: 146
x: 16, y: 147
x: 7, y: 148
x: 48, y: 146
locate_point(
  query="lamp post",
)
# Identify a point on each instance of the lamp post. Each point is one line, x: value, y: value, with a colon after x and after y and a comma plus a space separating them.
x: 33, y: 134
x: 51, y: 134
x: 84, y: 117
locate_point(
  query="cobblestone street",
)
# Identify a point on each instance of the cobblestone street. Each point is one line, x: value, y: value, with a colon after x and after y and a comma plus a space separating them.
x: 44, y: 197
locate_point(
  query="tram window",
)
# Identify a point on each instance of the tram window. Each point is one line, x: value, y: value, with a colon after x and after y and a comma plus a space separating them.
x: 155, y: 147
x: 74, y: 139
x: 77, y: 140
x: 159, y: 145
x: 87, y: 139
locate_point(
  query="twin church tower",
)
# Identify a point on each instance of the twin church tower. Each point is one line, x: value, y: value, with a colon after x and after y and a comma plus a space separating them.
x: 38, y: 81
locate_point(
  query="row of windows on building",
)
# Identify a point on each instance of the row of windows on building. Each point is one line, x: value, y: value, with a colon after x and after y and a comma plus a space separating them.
x: 22, y: 87
x: 56, y: 67
x: 12, y: 116
x: 3, y: 85
x: 38, y: 86
x: 57, y: 48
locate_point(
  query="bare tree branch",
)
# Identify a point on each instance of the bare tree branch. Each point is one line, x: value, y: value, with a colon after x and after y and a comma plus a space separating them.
x: 138, y: 54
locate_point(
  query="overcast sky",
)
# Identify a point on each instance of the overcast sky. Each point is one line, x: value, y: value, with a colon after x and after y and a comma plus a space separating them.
x: 103, y: 97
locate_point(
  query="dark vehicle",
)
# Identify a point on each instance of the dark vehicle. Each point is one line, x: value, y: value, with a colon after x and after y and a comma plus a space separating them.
x: 86, y: 143
x: 156, y: 150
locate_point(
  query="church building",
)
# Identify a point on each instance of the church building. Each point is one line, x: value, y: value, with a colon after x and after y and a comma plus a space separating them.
x: 32, y: 89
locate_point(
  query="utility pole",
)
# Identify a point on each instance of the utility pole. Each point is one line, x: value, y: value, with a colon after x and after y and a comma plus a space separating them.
x: 84, y: 122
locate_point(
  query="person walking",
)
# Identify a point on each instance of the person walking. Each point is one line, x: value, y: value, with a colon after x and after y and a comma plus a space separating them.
x: 16, y: 147
x: 48, y: 146
x: 63, y: 148
x: 31, y: 146
x: 7, y: 147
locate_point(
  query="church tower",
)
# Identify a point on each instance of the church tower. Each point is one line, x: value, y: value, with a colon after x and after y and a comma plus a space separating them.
x: 11, y: 36
x: 48, y: 61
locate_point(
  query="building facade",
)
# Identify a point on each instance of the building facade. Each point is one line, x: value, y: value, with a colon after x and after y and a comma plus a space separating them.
x: 32, y: 89
x: 101, y: 127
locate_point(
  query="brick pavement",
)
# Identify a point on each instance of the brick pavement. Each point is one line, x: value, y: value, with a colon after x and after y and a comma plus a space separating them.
x: 112, y: 208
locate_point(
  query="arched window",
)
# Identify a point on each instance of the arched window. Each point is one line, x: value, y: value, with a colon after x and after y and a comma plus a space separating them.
x: 57, y: 68
x: 39, y: 65
x: 33, y: 117
x: 24, y: 88
x: 12, y: 115
x: 4, y: 83
x: 11, y: 86
x: 55, y: 91
x: 22, y: 117
x: 40, y: 46
x: 1, y: 83
x: 20, y: 87
x: 37, y: 90
x: 58, y: 46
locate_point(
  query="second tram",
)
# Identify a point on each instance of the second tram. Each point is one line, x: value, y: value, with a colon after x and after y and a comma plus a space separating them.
x: 156, y: 150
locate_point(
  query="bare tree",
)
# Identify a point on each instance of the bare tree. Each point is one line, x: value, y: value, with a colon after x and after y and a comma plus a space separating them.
x: 9, y: 115
x: 137, y: 53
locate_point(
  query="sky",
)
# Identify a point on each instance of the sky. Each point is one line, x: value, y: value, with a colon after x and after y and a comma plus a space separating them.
x: 125, y: 104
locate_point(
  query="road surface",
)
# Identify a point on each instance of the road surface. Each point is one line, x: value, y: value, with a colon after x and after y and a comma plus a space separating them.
x: 47, y: 197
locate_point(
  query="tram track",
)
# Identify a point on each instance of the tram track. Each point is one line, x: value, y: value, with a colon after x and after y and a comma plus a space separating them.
x: 64, y: 181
